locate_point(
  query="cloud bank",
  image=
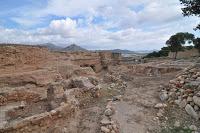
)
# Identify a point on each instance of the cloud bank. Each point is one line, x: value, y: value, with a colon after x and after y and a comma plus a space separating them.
x: 95, y: 24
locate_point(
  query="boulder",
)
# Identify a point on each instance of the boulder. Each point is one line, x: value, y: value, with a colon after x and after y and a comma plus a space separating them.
x: 82, y: 82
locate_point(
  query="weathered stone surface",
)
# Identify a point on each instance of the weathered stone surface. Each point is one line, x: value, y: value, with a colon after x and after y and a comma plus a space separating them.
x: 193, y: 128
x: 108, y: 112
x: 105, y: 121
x: 82, y: 82
x: 189, y: 109
x: 196, y: 100
x: 160, y: 105
x: 189, y: 99
x: 177, y: 124
x: 105, y: 129
x: 163, y: 96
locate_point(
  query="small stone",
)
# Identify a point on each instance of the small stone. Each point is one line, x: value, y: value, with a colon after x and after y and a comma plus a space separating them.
x: 117, y: 98
x: 192, y: 104
x: 159, y: 114
x: 160, y: 105
x: 190, y: 110
x: 182, y: 81
x: 196, y: 100
x: 53, y: 111
x: 193, y: 128
x: 108, y: 112
x: 105, y: 129
x: 3, y: 124
x: 105, y: 121
x: 163, y: 96
x: 183, y: 103
x: 177, y: 124
x: 189, y: 99
x: 191, y: 94
x: 178, y: 93
x: 112, y: 85
x: 22, y: 104
x: 178, y: 101
x: 114, y: 126
x: 196, y: 108
x: 185, y: 96
x: 198, y: 79
x: 155, y: 118
x: 198, y: 94
x: 62, y: 104
x: 113, y: 131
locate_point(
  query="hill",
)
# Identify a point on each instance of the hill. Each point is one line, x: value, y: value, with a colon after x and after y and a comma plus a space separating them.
x: 74, y: 47
x: 52, y: 46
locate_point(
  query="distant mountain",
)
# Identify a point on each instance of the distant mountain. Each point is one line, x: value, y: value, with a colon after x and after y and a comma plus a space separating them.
x: 123, y: 51
x: 74, y: 47
x: 120, y: 51
x: 52, y: 46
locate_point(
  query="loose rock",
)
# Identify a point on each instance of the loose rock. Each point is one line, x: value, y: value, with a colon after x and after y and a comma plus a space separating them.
x: 196, y: 100
x: 189, y: 109
x: 105, y: 129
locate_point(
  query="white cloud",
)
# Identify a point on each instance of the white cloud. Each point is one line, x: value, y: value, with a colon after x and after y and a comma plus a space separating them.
x: 65, y: 27
x: 117, y: 24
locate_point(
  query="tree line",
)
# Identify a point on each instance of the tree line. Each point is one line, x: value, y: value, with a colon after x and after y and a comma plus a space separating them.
x: 176, y: 42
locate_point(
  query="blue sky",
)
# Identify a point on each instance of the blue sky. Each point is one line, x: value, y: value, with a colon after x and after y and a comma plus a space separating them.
x: 94, y: 24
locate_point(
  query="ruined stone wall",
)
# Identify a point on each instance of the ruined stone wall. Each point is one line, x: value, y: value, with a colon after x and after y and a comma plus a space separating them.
x: 41, y: 122
x: 185, y: 54
x: 11, y: 55
x: 96, y: 60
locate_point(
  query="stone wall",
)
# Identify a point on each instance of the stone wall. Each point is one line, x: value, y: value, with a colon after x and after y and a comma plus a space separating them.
x: 96, y: 60
x: 41, y: 122
x: 185, y: 54
x: 12, y: 55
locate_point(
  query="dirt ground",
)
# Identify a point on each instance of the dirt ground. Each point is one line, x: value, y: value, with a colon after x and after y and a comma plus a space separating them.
x: 136, y: 111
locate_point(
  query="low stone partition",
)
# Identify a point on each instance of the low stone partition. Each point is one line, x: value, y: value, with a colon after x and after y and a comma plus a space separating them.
x: 18, y: 95
x: 41, y: 122
x: 152, y: 70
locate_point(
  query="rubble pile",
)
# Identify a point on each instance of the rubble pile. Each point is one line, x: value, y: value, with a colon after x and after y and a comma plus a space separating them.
x: 184, y: 91
x: 116, y: 82
x: 108, y: 125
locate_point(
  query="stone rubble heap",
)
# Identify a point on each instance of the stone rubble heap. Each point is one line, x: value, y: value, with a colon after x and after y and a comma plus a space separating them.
x: 116, y: 82
x: 108, y: 125
x: 184, y: 91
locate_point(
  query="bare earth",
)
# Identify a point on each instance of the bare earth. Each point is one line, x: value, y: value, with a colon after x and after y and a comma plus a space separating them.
x: 63, y: 92
x: 136, y: 112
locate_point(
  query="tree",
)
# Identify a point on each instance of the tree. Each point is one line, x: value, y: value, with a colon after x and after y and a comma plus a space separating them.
x: 176, y: 41
x: 197, y: 44
x: 191, y: 8
x: 162, y: 53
